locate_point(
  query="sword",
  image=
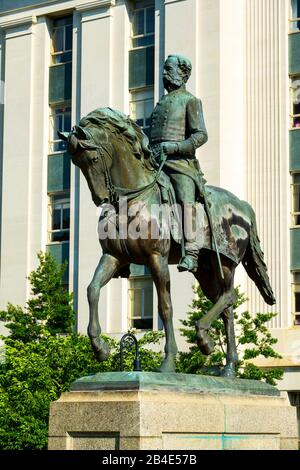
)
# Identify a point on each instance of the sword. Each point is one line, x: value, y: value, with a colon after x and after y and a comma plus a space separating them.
x: 207, y: 210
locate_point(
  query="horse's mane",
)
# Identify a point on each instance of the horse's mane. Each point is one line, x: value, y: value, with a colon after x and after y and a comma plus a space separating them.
x: 120, y: 124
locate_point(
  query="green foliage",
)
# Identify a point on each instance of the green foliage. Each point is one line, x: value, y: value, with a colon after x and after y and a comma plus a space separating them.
x: 39, y: 363
x: 150, y: 360
x: 252, y: 337
x: 48, y: 311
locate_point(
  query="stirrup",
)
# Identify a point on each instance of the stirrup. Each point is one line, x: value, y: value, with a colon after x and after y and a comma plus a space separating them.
x: 188, y: 263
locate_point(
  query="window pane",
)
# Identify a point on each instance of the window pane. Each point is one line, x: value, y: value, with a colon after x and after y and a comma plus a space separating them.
x: 59, y: 146
x: 140, y: 302
x: 135, y: 302
x: 68, y: 37
x: 297, y: 302
x: 296, y: 198
x: 296, y: 279
x: 58, y: 40
x: 62, y: 58
x: 142, y: 324
x: 138, y: 23
x: 295, y: 8
x: 296, y: 122
x: 148, y: 301
x: 60, y: 236
x: 62, y: 198
x: 296, y: 110
x: 148, y: 108
x: 63, y: 21
x: 59, y: 122
x: 150, y: 20
x: 66, y: 218
x: 140, y: 113
x: 56, y: 126
x: 295, y: 13
x: 56, y: 219
x: 141, y: 67
x: 141, y: 109
x: 67, y: 122
x: 141, y: 297
x: 143, y: 41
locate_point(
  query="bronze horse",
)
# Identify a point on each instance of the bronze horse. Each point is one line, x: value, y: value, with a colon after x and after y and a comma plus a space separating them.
x: 113, y: 154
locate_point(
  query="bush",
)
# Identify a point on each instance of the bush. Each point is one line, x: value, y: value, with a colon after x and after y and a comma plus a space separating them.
x: 253, y: 339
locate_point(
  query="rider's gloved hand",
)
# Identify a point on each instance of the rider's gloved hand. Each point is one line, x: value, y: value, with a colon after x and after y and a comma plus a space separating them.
x: 169, y: 148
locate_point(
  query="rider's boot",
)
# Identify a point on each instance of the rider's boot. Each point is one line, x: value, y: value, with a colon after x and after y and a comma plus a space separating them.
x: 189, y: 262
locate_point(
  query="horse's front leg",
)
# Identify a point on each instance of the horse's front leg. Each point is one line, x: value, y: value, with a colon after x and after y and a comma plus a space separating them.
x: 105, y: 270
x: 231, y: 353
x: 161, y: 277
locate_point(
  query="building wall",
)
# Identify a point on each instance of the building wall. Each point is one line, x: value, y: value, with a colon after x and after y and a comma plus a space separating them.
x: 239, y: 53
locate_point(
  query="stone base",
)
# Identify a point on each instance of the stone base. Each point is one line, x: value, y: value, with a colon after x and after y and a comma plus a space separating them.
x: 149, y: 411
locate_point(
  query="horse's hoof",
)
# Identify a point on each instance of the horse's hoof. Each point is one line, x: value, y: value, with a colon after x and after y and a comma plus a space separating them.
x: 100, y: 349
x: 168, y: 365
x: 229, y: 372
x: 204, y: 342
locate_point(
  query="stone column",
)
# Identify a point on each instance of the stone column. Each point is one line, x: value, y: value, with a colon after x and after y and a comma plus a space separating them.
x: 266, y: 161
x: 17, y: 160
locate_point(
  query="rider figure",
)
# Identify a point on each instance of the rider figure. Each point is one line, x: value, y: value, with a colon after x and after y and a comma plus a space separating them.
x: 178, y: 128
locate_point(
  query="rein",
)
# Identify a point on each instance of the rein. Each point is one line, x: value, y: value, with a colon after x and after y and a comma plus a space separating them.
x: 114, y: 191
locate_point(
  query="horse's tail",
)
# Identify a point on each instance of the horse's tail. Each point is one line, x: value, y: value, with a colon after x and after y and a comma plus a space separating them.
x: 254, y: 264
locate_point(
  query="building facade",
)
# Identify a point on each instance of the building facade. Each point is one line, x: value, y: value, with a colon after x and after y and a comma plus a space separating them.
x: 60, y: 59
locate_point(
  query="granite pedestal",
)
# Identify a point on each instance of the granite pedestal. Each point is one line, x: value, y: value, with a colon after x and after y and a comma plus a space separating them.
x: 152, y: 411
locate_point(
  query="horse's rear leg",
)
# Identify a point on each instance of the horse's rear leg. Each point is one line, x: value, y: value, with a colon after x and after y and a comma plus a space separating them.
x: 161, y: 277
x: 105, y: 270
x: 225, y: 301
x: 231, y: 354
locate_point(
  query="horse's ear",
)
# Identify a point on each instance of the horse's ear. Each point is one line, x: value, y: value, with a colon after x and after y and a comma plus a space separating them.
x: 80, y: 132
x: 63, y: 135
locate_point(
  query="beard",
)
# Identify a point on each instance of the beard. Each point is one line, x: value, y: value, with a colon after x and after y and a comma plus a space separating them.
x: 172, y: 81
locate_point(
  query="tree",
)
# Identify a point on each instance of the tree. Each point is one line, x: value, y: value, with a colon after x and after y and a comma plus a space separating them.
x: 39, y: 363
x: 48, y: 311
x: 252, y: 337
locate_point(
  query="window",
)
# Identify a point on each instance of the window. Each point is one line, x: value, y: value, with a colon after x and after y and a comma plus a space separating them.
x: 141, y: 63
x: 141, y: 55
x: 60, y: 120
x: 296, y: 297
x: 141, y: 107
x: 295, y: 101
x: 296, y: 199
x: 59, y: 218
x: 142, y: 25
x: 61, y: 44
x: 60, y: 81
x: 140, y: 302
x: 295, y: 16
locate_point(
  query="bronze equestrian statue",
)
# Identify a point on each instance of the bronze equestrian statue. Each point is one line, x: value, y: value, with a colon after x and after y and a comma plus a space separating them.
x: 120, y: 167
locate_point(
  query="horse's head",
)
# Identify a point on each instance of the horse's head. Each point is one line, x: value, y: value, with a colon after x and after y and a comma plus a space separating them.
x: 91, y: 152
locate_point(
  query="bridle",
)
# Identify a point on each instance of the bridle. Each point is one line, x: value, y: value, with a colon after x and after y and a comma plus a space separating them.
x: 116, y: 192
